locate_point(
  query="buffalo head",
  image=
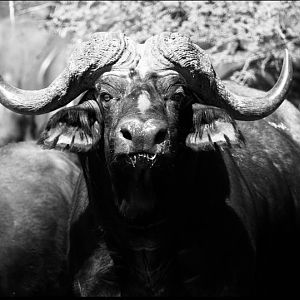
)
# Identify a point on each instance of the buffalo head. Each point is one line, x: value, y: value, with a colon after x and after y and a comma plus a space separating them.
x: 143, y: 104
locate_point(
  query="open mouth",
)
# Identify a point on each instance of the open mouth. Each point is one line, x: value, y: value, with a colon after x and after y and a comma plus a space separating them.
x: 142, y: 159
x: 139, y: 177
x: 137, y: 161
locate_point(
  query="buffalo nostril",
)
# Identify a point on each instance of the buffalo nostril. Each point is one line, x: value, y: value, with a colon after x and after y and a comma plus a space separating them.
x: 126, y: 134
x: 160, y: 136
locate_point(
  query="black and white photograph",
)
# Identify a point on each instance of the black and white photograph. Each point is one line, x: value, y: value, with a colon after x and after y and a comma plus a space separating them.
x: 149, y: 148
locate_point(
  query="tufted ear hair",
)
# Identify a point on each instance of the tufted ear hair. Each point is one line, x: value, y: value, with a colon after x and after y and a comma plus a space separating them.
x: 76, y: 129
x: 212, y: 127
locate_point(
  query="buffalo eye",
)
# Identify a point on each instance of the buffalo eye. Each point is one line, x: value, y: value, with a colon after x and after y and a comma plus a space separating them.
x: 178, y: 95
x: 105, y: 97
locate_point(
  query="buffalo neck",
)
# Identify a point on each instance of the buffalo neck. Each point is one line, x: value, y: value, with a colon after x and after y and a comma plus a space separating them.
x: 147, y: 256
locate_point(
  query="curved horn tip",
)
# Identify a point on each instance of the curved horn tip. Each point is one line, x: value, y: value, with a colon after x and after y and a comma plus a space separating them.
x: 249, y: 108
x: 288, y: 60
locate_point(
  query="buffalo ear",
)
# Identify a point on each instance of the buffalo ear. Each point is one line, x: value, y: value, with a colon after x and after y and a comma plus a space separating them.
x: 213, y: 128
x: 76, y: 129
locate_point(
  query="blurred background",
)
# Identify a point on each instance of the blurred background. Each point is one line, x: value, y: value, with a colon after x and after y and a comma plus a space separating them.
x: 245, y: 39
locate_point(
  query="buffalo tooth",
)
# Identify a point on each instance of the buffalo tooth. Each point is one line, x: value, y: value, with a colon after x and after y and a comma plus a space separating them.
x: 152, y: 157
x: 132, y: 161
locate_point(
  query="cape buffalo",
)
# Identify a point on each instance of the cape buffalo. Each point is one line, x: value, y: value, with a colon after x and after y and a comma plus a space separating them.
x: 35, y: 203
x: 193, y: 183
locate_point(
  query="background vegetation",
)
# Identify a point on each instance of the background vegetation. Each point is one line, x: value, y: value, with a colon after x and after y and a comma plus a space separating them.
x: 247, y: 37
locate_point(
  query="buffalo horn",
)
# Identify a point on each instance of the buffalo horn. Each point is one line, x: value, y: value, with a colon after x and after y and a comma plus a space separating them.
x: 182, y: 52
x: 87, y: 62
